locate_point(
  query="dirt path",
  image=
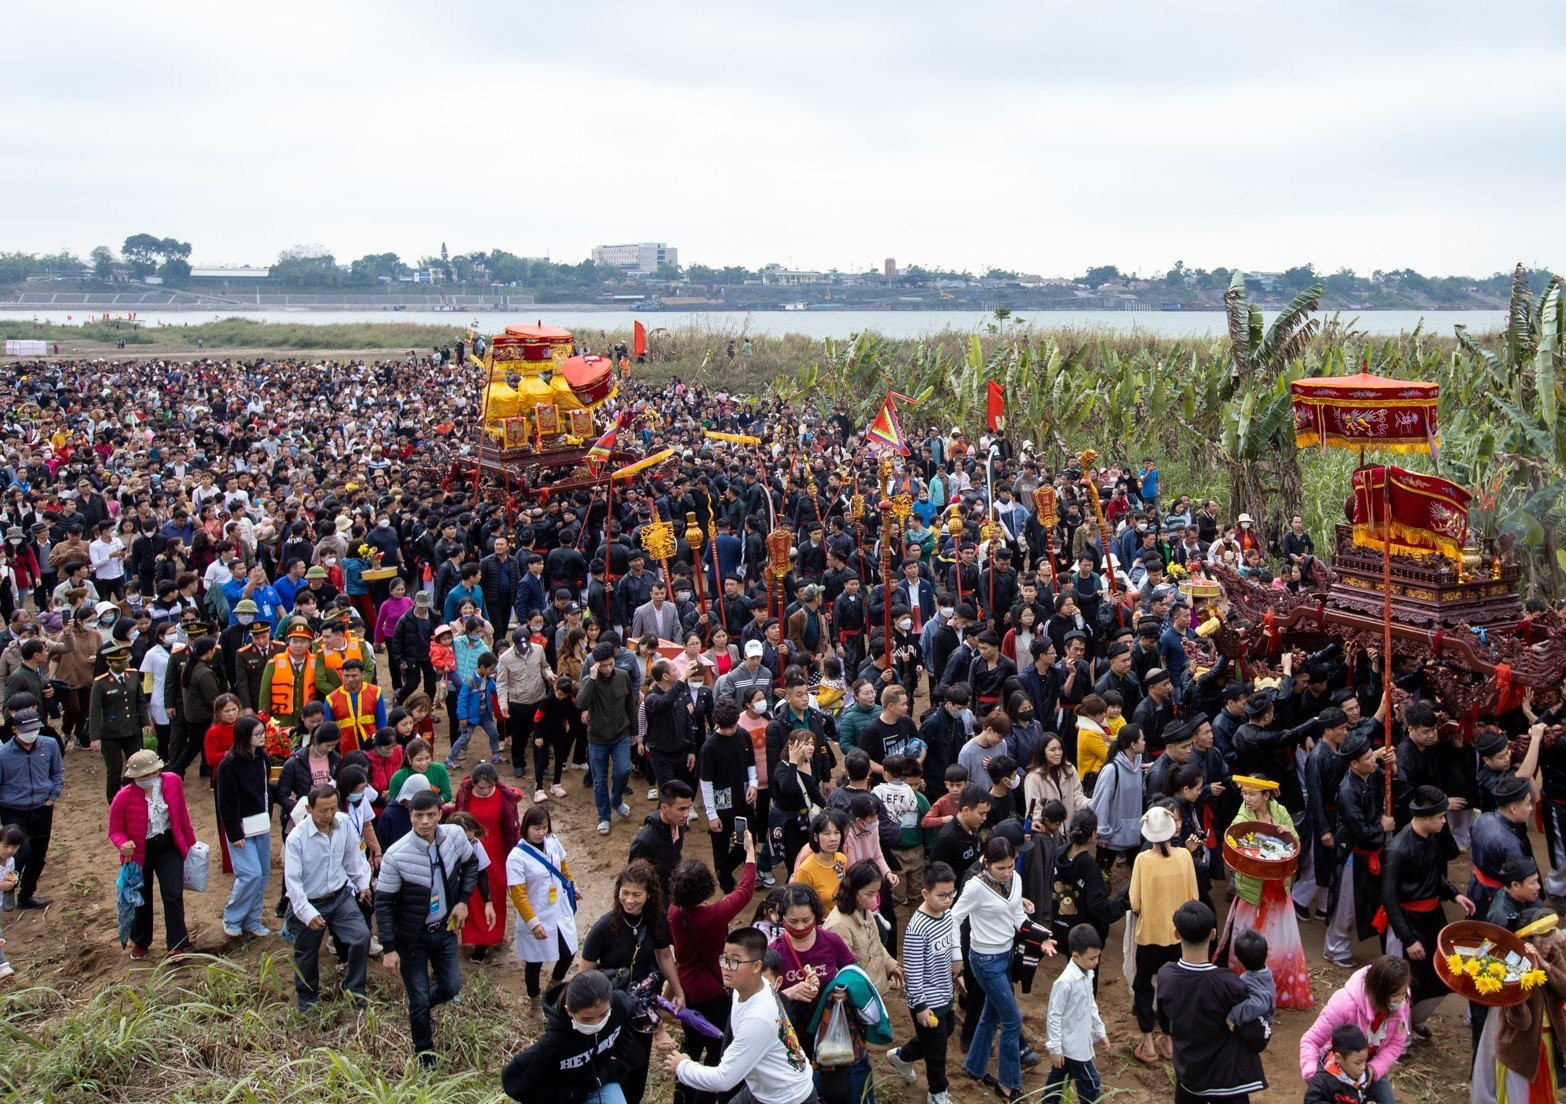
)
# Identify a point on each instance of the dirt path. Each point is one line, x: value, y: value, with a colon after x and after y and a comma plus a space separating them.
x: 72, y: 946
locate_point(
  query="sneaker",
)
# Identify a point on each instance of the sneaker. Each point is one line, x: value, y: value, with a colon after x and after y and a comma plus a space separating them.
x: 766, y: 879
x: 652, y: 794
x: 6, y: 969
x: 539, y: 797
x: 1347, y: 961
x: 1030, y: 1058
x: 624, y: 810
x: 1323, y: 915
x: 603, y: 827
x: 557, y: 790
x: 263, y: 932
x: 451, y: 764
x: 940, y: 1098
x: 138, y: 953
x: 232, y: 933
x: 579, y: 766
x: 375, y: 946
x: 904, y: 1069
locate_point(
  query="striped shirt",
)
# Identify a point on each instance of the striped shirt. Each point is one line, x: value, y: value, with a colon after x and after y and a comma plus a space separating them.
x: 930, y: 947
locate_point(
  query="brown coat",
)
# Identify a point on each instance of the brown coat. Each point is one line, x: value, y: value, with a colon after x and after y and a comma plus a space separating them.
x: 1520, y: 1027
x: 796, y: 630
x: 74, y: 667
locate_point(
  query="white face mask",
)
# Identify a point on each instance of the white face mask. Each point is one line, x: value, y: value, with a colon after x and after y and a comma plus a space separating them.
x: 148, y: 782
x: 244, y: 618
x: 905, y: 623
x: 593, y: 1028
x: 758, y: 707
x: 947, y: 611
x: 27, y: 739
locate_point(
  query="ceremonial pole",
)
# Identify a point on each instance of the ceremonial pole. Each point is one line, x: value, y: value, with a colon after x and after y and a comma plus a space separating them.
x: 693, y: 537
x: 885, y: 507
x: 1386, y: 616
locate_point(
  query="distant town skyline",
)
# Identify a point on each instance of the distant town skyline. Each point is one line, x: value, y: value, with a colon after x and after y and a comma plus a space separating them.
x: 1037, y: 138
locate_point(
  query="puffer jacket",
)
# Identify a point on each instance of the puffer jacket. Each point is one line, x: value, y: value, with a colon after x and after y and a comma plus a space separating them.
x: 1117, y: 801
x: 566, y: 1066
x: 1351, y: 1005
x: 402, y: 889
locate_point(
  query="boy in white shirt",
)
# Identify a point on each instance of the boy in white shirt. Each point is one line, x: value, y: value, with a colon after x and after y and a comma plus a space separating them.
x: 1073, y: 1026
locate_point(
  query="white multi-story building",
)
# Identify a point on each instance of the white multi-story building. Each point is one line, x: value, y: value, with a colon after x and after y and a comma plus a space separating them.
x: 642, y: 258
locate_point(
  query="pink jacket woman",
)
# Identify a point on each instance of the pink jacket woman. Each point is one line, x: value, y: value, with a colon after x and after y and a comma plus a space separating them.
x: 1387, y: 1030
x: 128, y: 817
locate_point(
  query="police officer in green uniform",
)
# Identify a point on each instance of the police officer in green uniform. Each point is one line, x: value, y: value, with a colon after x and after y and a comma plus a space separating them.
x: 116, y: 715
x: 250, y: 662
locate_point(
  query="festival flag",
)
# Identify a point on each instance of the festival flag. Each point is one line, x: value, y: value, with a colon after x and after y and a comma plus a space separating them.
x: 1428, y: 514
x: 602, y: 448
x: 884, y: 429
x: 995, y: 407
x: 638, y: 339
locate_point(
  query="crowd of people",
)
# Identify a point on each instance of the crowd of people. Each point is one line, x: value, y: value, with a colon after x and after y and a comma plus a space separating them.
x: 929, y: 748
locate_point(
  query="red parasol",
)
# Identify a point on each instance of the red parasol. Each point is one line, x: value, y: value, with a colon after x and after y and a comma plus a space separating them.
x: 1365, y: 411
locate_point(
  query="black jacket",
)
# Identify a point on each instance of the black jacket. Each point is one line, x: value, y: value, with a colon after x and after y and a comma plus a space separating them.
x: 671, y: 728
x: 412, y: 635
x: 400, y: 915
x: 656, y: 843
x: 498, y: 581
x: 294, y: 781
x: 241, y: 786
x: 566, y: 1066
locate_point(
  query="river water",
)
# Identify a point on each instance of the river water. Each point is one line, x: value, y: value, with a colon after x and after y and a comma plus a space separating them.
x: 816, y: 324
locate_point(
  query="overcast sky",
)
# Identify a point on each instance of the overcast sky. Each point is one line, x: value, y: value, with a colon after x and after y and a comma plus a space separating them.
x: 1041, y: 137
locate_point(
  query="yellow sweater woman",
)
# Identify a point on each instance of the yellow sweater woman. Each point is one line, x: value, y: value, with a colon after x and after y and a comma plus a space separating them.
x: 1162, y: 879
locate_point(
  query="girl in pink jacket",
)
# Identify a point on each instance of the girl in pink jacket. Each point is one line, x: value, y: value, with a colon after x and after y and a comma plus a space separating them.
x: 1375, y: 1000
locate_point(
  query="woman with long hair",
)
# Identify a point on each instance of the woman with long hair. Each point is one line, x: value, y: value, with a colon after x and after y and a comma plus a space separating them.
x: 630, y: 942
x: 154, y: 674
x: 993, y: 905
x: 1163, y: 878
x: 1052, y: 777
x: 1019, y: 639
x: 241, y: 787
x: 1081, y: 893
x: 1117, y: 799
x: 857, y: 920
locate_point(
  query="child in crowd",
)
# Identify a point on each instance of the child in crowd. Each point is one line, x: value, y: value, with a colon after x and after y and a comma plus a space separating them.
x: 932, y: 960
x: 554, y: 723
x: 769, y: 914
x: 901, y: 801
x: 830, y: 692
x: 421, y: 760
x: 1073, y: 1027
x: 419, y: 707
x: 443, y: 657
x: 1250, y: 947
x: 1344, y: 1075
x: 475, y: 710
x: 385, y: 758
x: 12, y: 840
x: 945, y: 807
x: 1114, y: 712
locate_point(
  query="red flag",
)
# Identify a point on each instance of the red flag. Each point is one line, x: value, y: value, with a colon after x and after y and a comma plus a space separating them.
x: 1429, y: 514
x: 638, y: 339
x: 995, y: 407
x: 884, y: 429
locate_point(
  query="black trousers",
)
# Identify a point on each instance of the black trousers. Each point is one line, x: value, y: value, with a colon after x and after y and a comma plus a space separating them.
x: 115, y: 751
x: 1150, y: 958
x: 77, y: 700
x: 532, y: 972
x: 417, y: 674
x: 519, y: 728
x: 929, y: 1045
x: 38, y: 823
x: 163, y: 862
x: 727, y: 852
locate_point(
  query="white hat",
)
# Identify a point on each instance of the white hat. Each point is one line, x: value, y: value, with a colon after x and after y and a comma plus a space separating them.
x: 1158, y: 825
x: 1243, y: 518
x: 753, y: 648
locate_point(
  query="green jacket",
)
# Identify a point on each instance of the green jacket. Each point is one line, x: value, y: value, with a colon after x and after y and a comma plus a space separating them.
x: 115, y: 710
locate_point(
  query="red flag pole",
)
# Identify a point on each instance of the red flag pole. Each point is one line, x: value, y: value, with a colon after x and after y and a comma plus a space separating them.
x: 885, y: 507
x: 1386, y: 615
x: 608, y: 541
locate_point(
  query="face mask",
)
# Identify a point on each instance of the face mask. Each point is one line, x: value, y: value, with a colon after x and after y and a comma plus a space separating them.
x: 682, y: 596
x: 758, y: 708
x: 107, y: 619
x: 905, y: 623
x: 148, y: 782
x: 244, y: 618
x: 947, y: 611
x: 593, y: 1028
x: 27, y: 739
x: 384, y: 523
x: 356, y: 799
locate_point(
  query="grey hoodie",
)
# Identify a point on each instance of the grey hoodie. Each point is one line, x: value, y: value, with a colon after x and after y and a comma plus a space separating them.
x: 1117, y: 802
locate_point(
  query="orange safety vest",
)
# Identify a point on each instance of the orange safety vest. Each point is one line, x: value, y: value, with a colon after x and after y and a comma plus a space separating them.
x: 358, y: 727
x: 281, y: 702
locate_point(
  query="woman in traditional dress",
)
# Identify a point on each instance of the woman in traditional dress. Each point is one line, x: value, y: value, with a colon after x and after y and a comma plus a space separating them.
x: 1523, y: 1045
x: 545, y: 896
x: 1265, y: 905
x: 495, y: 806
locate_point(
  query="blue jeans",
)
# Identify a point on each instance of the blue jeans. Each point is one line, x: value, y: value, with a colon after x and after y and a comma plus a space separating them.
x: 609, y: 1094
x: 487, y: 723
x: 1379, y: 1090
x: 1083, y: 1074
x: 599, y: 757
x: 252, y: 869
x: 437, y: 951
x: 993, y: 973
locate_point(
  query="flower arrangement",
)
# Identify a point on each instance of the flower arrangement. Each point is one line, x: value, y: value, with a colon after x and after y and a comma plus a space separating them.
x: 1490, y: 974
x: 1486, y: 963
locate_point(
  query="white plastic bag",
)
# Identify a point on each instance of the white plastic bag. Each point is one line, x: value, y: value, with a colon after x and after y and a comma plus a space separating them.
x: 197, y: 861
x: 836, y: 1045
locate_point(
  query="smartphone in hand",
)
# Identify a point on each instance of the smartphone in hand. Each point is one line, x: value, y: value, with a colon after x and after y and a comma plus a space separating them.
x: 741, y: 826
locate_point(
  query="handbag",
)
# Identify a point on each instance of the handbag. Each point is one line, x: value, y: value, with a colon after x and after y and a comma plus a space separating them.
x: 197, y: 862
x: 256, y: 824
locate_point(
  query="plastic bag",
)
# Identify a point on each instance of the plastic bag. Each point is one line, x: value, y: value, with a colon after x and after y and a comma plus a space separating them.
x: 836, y: 1045
x: 197, y: 861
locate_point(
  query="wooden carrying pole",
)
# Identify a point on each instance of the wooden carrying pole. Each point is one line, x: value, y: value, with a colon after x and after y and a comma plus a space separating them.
x: 886, y: 578
x: 1386, y: 617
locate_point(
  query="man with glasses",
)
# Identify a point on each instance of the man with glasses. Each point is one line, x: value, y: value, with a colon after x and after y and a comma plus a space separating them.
x: 765, y: 1053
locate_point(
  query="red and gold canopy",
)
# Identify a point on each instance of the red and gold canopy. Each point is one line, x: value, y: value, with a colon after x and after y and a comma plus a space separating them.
x: 1363, y: 411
